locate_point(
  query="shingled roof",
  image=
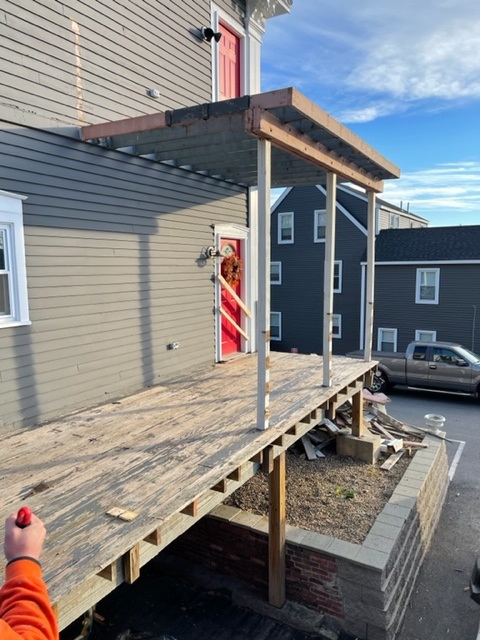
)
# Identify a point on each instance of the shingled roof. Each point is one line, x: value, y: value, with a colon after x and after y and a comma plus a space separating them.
x: 428, y: 244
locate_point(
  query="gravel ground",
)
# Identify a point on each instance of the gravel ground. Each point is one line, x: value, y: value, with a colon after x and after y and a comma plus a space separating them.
x: 336, y: 495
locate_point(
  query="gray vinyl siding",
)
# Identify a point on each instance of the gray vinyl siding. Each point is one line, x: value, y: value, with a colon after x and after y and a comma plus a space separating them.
x: 114, y: 268
x: 405, y: 221
x: 300, y: 296
x: 452, y: 318
x: 55, y: 74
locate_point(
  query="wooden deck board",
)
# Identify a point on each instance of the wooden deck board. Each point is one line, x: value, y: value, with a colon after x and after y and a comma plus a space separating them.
x: 153, y: 453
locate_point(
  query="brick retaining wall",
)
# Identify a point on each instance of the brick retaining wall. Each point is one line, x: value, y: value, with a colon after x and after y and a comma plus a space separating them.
x: 364, y: 588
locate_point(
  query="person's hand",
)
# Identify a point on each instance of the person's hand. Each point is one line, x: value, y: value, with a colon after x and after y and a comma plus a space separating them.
x: 24, y: 542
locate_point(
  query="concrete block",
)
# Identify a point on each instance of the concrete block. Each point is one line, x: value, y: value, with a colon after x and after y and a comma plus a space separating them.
x: 365, y: 447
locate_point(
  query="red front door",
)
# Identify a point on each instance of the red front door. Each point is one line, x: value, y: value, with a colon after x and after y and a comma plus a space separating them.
x: 231, y: 337
x: 229, y: 59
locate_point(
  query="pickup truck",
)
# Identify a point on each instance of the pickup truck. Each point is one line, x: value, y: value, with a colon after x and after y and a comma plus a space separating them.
x: 442, y: 366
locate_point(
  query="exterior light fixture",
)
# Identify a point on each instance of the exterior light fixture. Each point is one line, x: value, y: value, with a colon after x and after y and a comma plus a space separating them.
x: 209, y: 34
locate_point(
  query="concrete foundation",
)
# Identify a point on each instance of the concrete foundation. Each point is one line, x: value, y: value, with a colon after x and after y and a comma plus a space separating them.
x: 365, y: 447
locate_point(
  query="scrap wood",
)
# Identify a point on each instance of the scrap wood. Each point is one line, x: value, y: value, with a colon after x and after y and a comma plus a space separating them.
x: 122, y: 514
x: 309, y: 449
x: 381, y: 429
x: 392, y: 460
x: 318, y: 436
x: 395, y: 445
x: 406, y: 428
x: 329, y: 426
x: 411, y: 443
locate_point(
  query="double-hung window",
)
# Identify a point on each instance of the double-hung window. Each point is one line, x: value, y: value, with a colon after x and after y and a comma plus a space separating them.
x: 425, y: 335
x: 387, y: 340
x: 13, y: 280
x: 285, y: 228
x: 336, y: 325
x: 275, y: 325
x: 275, y: 273
x: 427, y: 289
x: 337, y: 276
x: 319, y: 225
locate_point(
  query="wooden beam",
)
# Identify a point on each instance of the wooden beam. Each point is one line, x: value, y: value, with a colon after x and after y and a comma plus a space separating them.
x: 331, y: 208
x: 369, y: 307
x: 235, y: 475
x: 263, y: 314
x: 155, y: 537
x: 276, y: 533
x: 131, y: 564
x: 191, y: 509
x: 290, y: 97
x: 221, y: 486
x: 267, y: 462
x: 266, y: 125
x: 358, y: 424
x: 123, y: 127
x: 109, y: 572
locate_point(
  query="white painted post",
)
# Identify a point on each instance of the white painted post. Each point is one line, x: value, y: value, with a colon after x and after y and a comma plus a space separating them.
x: 263, y: 316
x: 328, y: 278
x: 369, y: 307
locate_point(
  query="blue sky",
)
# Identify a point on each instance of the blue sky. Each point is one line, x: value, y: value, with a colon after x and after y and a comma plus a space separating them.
x: 405, y: 76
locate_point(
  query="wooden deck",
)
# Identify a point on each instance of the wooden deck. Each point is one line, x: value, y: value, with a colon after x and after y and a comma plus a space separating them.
x: 169, y: 454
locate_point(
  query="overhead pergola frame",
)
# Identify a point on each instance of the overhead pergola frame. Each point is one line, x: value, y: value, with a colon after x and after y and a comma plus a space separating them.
x: 274, y: 139
x: 219, y: 139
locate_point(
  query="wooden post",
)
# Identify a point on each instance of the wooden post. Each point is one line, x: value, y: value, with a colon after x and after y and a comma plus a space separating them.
x: 276, y: 533
x: 370, y: 277
x: 358, y: 424
x: 263, y: 315
x: 328, y: 278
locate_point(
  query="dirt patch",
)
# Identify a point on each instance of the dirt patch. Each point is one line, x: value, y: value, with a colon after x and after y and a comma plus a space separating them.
x: 336, y: 495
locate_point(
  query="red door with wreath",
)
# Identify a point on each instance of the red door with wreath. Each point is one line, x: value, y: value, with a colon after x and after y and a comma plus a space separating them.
x: 232, y: 270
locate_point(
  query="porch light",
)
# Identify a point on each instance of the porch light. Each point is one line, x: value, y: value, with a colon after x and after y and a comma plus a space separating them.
x: 211, y: 252
x: 209, y: 34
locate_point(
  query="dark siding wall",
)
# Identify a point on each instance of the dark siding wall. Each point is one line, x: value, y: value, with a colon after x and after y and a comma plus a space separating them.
x: 300, y: 297
x: 452, y: 318
x: 113, y: 246
x: 84, y: 61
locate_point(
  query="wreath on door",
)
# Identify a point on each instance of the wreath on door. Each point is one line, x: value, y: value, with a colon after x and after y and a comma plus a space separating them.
x: 232, y: 268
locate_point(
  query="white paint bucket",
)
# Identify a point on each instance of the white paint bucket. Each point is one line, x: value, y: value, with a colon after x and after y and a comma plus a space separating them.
x: 435, y: 421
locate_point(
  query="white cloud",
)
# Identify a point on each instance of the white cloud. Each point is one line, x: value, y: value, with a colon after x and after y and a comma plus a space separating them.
x: 376, y: 58
x: 439, y: 193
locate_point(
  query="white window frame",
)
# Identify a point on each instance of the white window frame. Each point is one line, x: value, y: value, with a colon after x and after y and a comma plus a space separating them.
x: 432, y: 333
x: 11, y: 221
x: 420, y: 271
x: 316, y: 215
x: 380, y: 339
x: 338, y: 317
x: 279, y: 229
x: 394, y: 221
x: 279, y: 281
x: 279, y: 316
x: 339, y: 264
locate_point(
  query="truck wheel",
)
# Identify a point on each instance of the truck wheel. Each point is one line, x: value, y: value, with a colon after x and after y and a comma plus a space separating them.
x: 380, y: 383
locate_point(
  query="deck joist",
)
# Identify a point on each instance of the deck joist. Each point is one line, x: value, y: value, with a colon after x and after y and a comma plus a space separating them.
x: 169, y: 454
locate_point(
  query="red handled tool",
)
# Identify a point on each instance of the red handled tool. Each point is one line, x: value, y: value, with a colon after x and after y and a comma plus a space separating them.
x: 24, y: 517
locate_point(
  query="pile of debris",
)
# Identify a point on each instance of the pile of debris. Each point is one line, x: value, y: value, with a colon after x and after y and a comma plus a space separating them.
x: 398, y: 438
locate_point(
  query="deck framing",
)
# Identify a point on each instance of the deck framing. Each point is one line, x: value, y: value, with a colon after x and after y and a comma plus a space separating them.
x: 170, y: 454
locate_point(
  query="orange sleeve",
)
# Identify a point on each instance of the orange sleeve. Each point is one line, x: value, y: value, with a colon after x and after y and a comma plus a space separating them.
x: 25, y: 609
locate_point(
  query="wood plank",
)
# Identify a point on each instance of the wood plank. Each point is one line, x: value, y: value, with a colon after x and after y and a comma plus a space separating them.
x: 276, y: 533
x: 234, y: 294
x: 309, y: 449
x: 268, y: 460
x: 109, y: 573
x: 191, y: 509
x: 235, y: 475
x: 221, y: 486
x: 131, y: 564
x: 233, y: 323
x: 155, y: 537
x: 392, y: 460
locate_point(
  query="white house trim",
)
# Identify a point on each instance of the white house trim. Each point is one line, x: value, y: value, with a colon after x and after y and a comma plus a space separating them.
x: 423, y: 262
x: 280, y: 199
